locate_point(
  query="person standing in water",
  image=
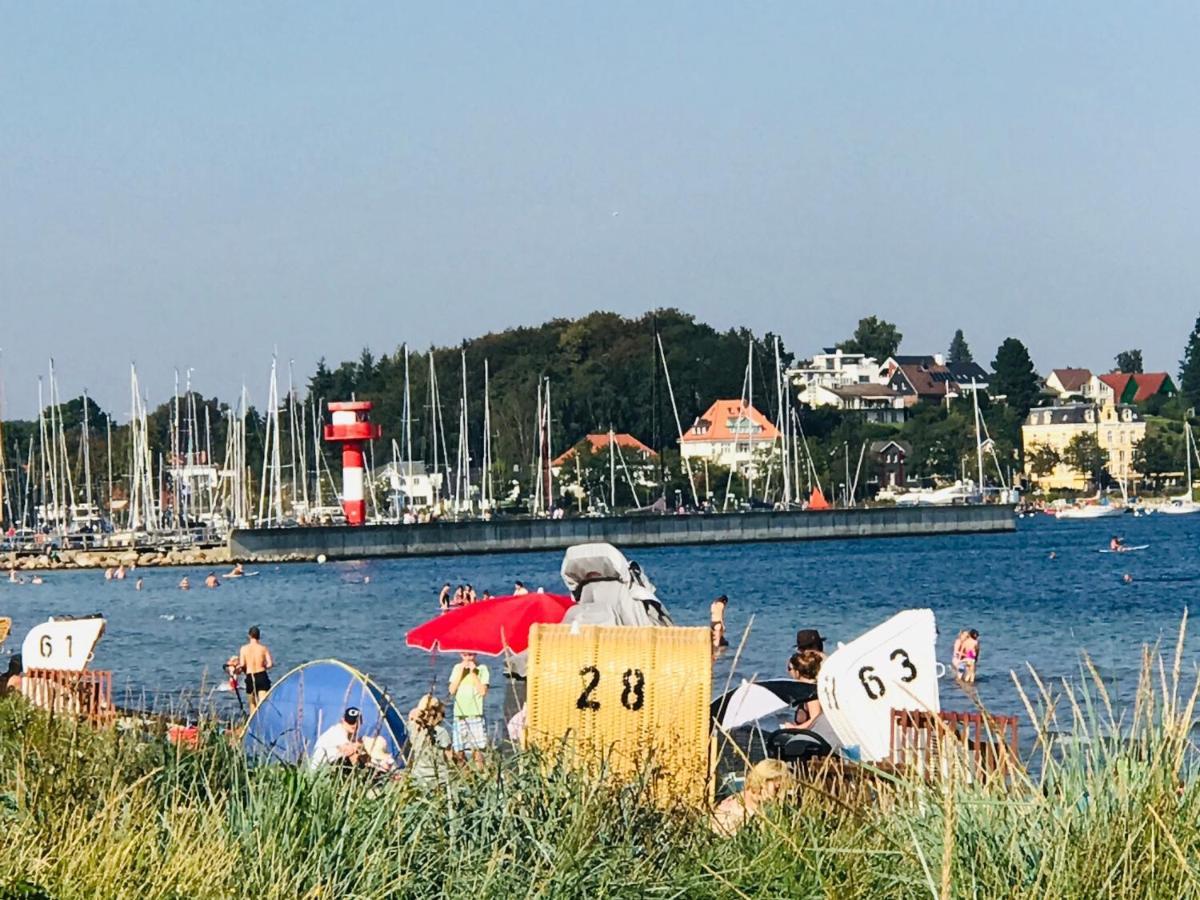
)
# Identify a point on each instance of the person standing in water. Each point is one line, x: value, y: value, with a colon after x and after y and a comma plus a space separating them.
x: 969, y: 648
x: 254, y: 659
x: 444, y: 597
x: 716, y: 617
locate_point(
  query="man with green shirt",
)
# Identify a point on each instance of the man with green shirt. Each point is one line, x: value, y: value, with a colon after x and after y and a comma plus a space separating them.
x: 468, y: 687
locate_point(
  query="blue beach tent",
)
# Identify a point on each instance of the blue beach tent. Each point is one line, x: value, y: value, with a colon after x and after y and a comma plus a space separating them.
x: 311, y: 698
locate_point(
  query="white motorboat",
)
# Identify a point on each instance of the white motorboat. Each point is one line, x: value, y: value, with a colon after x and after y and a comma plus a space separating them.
x: 1090, y: 511
x: 957, y: 493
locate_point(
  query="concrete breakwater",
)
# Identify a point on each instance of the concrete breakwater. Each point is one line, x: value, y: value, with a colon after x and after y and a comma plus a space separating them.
x: 528, y: 535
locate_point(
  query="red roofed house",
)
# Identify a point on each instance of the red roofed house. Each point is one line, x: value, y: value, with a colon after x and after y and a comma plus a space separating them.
x: 730, y: 433
x: 1068, y: 383
x: 1119, y: 387
x: 629, y: 446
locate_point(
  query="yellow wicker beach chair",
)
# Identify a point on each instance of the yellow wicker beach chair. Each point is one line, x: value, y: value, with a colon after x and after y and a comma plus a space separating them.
x: 629, y: 701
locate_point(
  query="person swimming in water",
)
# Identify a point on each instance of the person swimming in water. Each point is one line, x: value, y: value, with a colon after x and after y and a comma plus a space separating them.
x: 184, y: 584
x: 211, y: 581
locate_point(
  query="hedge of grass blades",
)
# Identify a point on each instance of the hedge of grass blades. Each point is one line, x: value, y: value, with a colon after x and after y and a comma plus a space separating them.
x: 1112, y: 812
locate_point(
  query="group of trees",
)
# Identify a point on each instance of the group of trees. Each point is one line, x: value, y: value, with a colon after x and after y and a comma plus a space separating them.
x: 607, y: 370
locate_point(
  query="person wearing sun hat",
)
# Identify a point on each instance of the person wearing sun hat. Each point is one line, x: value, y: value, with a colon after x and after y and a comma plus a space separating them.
x: 810, y: 639
x: 339, y: 743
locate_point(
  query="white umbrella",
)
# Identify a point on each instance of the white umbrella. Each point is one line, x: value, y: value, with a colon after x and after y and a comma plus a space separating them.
x: 754, y: 700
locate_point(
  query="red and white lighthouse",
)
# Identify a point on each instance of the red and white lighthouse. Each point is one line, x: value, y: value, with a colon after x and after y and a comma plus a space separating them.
x: 351, y: 427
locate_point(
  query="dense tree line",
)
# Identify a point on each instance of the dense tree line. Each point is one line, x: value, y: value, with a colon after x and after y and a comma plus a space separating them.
x: 605, y: 370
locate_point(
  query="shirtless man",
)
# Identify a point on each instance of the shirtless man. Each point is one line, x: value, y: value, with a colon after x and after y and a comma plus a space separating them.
x: 444, y: 596
x: 253, y: 660
x: 211, y: 581
x: 236, y: 572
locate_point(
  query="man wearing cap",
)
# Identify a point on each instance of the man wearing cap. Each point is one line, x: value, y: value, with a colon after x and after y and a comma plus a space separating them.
x: 339, y: 743
x: 810, y: 639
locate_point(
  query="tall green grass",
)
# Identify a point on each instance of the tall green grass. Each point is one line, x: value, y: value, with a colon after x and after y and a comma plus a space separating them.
x: 1115, y: 812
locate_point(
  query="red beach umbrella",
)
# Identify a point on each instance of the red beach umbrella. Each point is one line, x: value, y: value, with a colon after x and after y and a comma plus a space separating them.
x: 490, y: 626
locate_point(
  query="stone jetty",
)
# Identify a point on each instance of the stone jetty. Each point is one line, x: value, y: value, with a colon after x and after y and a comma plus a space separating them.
x: 104, y: 558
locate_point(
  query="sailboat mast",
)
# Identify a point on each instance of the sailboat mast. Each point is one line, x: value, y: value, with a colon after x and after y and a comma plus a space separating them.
x: 780, y: 417
x: 612, y: 471
x: 548, y: 456
x: 537, y: 454
x: 43, y: 452
x: 317, y: 500
x: 292, y: 433
x: 433, y: 415
x: 687, y: 466
x: 978, y: 437
x: 465, y: 437
x: 485, y: 481
x: 86, y: 440
x: 407, y: 431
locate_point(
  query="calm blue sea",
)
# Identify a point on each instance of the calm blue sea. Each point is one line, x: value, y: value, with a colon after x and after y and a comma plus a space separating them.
x: 1030, y: 609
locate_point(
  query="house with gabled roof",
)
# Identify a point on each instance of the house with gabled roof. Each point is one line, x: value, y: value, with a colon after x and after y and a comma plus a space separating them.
x: 1132, y: 388
x: 1070, y: 382
x: 874, y: 402
x: 920, y: 378
x: 627, y: 444
x: 731, y: 433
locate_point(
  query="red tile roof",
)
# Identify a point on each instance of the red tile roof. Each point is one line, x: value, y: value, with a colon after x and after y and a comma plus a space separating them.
x: 1073, y: 379
x: 1148, y: 384
x: 722, y: 418
x: 599, y: 442
x: 1118, y: 381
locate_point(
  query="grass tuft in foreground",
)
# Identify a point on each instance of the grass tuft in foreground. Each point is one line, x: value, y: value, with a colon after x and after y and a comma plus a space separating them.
x: 1115, y: 812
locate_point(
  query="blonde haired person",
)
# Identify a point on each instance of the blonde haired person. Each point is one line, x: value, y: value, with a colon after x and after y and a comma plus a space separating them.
x: 430, y: 755
x: 766, y: 781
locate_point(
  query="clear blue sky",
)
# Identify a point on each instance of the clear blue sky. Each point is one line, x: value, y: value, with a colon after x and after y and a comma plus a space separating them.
x: 193, y: 184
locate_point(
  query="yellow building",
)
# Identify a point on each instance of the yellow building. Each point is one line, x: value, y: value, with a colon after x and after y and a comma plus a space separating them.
x: 1119, y: 429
